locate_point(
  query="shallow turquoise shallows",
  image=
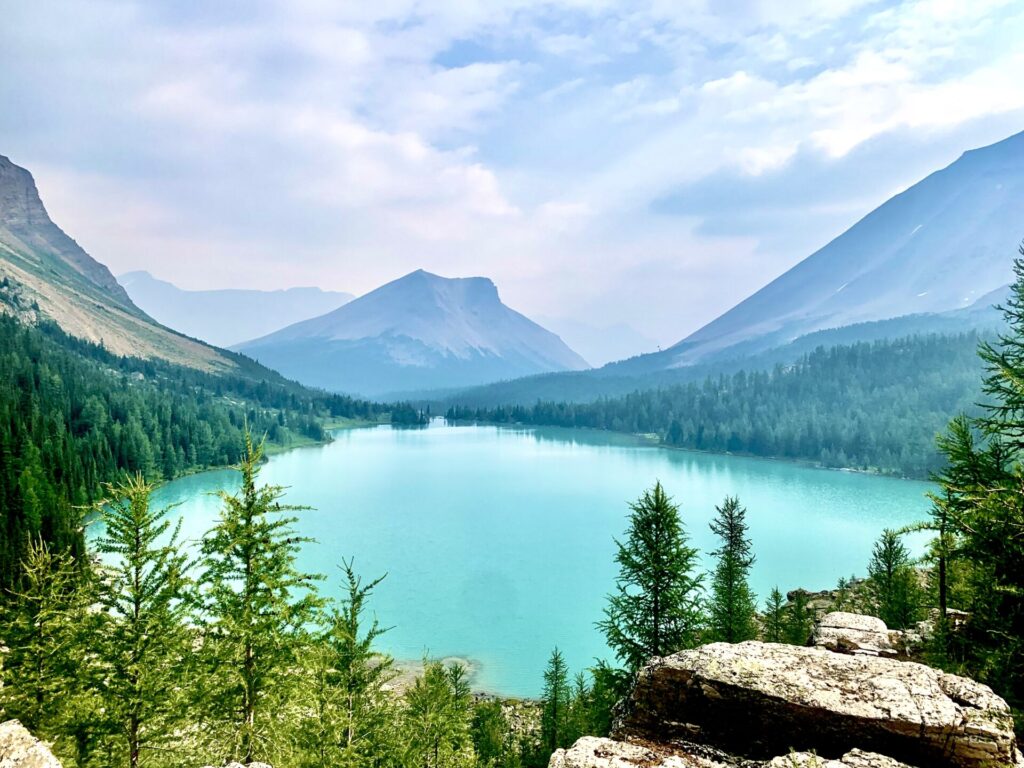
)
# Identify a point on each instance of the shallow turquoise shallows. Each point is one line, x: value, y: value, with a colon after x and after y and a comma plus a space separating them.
x: 498, y: 543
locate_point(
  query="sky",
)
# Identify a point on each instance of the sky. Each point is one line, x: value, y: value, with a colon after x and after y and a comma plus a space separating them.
x: 645, y: 164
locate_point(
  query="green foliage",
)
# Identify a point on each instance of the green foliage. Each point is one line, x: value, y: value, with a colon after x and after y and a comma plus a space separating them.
x: 74, y: 416
x: 253, y: 604
x: 437, y: 719
x: 978, y: 515
x: 893, y: 587
x: 732, y: 608
x: 799, y: 619
x: 351, y: 714
x: 870, y: 405
x: 555, y: 702
x: 773, y: 629
x: 656, y: 608
x: 143, y: 655
x: 44, y: 628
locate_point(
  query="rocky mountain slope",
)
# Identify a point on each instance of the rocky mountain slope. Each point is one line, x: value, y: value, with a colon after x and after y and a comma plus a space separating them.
x: 945, y: 244
x: 228, y: 316
x: 419, y: 332
x: 762, y: 705
x: 44, y: 273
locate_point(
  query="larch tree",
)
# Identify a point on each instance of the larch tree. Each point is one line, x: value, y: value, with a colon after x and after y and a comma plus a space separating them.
x: 656, y: 607
x: 773, y: 629
x: 893, y: 588
x: 144, y: 645
x: 556, y: 699
x: 732, y: 608
x: 350, y: 710
x: 255, y: 604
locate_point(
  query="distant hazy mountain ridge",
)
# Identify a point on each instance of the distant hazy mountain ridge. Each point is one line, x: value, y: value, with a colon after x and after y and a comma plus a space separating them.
x: 941, y: 245
x: 228, y: 316
x: 44, y: 267
x: 419, y: 332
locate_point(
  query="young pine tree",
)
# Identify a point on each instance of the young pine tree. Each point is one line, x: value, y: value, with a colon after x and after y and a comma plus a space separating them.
x: 799, y: 620
x: 44, y: 625
x: 732, y: 608
x: 438, y: 715
x: 656, y: 608
x: 143, y: 644
x: 893, y: 586
x: 254, y: 604
x: 555, y: 702
x: 351, y: 712
x: 773, y: 629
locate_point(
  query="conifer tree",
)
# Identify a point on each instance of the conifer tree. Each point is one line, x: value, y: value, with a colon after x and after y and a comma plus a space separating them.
x: 893, y: 586
x: 254, y: 604
x: 143, y: 643
x: 799, y: 619
x: 774, y: 623
x: 351, y: 712
x: 43, y: 624
x: 732, y: 607
x: 555, y: 701
x: 438, y: 711
x: 656, y: 608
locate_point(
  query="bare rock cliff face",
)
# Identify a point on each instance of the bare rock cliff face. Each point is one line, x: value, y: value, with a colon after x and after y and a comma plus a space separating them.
x: 780, y: 706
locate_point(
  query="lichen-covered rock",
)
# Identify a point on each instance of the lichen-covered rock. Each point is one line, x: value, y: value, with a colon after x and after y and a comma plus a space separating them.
x: 855, y: 758
x: 853, y: 633
x: 593, y: 752
x: 760, y: 700
x: 20, y: 749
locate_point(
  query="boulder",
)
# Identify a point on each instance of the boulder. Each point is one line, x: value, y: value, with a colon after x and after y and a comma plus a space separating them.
x: 20, y: 749
x: 594, y: 752
x: 761, y: 700
x: 855, y: 758
x: 852, y: 633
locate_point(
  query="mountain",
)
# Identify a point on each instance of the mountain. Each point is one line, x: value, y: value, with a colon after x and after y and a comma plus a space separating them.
x: 599, y: 344
x: 44, y: 273
x: 940, y: 246
x: 231, y: 316
x: 417, y: 333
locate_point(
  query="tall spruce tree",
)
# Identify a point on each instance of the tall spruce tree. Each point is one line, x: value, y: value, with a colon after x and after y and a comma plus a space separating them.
x: 732, y: 608
x: 656, y: 607
x: 893, y: 586
x: 143, y: 648
x: 555, y: 701
x: 255, y: 602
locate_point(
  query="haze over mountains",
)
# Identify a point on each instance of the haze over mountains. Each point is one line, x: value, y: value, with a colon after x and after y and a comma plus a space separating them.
x: 228, y: 316
x: 43, y: 271
x: 417, y: 333
x: 943, y: 245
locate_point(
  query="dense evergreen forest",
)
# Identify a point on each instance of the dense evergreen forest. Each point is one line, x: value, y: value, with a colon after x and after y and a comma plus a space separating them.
x: 73, y: 416
x: 872, y: 405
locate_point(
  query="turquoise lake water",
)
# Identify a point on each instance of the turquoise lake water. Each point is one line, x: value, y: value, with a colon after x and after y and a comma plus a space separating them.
x: 498, y: 543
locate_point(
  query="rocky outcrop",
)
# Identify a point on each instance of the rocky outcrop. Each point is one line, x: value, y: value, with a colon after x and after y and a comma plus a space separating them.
x: 761, y: 700
x: 852, y: 633
x: 20, y: 749
x: 855, y: 758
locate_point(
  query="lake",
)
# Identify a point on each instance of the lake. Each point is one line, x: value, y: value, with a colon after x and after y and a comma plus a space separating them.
x: 498, y: 542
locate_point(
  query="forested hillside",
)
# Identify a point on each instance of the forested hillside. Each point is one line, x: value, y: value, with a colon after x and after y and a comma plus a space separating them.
x: 874, y: 406
x: 73, y: 416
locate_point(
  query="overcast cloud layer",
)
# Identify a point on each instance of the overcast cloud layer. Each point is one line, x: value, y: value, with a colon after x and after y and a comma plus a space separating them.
x: 647, y: 163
